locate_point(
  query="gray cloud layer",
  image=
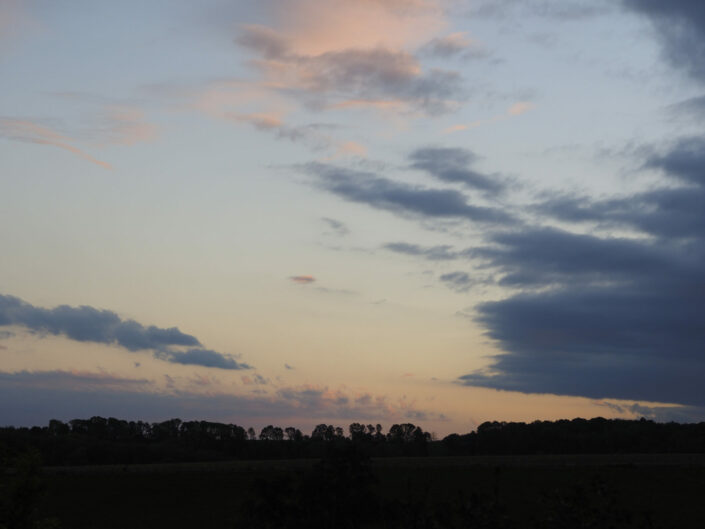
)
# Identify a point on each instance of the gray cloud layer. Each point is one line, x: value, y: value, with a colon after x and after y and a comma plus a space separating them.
x: 681, y: 24
x: 32, y: 398
x: 602, y: 316
x: 87, y: 324
x: 398, y: 197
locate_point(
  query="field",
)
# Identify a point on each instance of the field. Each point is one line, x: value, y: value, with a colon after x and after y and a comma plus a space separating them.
x: 664, y: 491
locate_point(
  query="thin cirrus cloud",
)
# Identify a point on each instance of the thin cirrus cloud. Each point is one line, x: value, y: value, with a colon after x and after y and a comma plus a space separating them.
x: 606, y: 317
x: 399, y: 197
x: 30, y: 132
x: 87, y: 324
x: 118, y: 125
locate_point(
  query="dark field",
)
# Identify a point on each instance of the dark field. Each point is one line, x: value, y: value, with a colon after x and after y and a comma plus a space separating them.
x: 660, y: 491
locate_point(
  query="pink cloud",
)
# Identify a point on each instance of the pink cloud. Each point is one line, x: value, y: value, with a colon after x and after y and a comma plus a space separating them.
x: 30, y: 132
x: 303, y: 280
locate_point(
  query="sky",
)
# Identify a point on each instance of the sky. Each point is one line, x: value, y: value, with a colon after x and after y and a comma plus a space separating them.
x: 296, y: 212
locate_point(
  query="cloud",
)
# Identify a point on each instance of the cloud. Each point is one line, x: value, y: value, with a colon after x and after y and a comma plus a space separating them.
x: 303, y: 280
x: 600, y: 316
x: 400, y: 198
x: 117, y: 125
x: 201, y: 357
x: 458, y: 281
x: 681, y: 26
x: 561, y: 10
x: 454, y: 45
x: 432, y: 253
x: 453, y: 165
x: 30, y: 132
x: 288, y: 367
x: 352, y: 148
x: 87, y: 324
x: 681, y: 414
x: 313, y: 27
x: 377, y: 73
x: 273, y: 122
x: 339, y: 228
x: 124, y: 125
x: 693, y: 108
x: 519, y: 108
x: 33, y: 398
x: 670, y: 212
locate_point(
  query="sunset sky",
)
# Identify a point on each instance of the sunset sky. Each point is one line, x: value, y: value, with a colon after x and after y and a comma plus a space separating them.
x: 292, y: 212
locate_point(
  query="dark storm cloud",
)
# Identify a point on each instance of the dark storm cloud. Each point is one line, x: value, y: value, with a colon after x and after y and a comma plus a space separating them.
x: 398, y: 197
x: 453, y: 165
x: 606, y: 317
x: 681, y: 25
x: 87, y: 324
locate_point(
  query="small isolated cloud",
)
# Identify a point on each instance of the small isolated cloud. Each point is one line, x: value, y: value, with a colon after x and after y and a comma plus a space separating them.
x: 302, y: 280
x: 400, y: 198
x: 87, y: 324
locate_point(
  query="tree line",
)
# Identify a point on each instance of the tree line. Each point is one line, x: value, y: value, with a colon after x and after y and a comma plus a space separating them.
x: 100, y: 440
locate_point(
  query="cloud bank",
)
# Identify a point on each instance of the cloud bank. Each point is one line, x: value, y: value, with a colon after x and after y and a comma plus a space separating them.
x: 604, y: 316
x: 87, y: 324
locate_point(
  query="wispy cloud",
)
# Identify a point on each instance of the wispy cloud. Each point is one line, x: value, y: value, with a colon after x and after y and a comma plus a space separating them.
x: 398, y: 197
x: 31, y: 132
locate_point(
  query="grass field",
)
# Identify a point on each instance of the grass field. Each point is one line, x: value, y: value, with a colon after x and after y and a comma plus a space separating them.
x: 663, y: 491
